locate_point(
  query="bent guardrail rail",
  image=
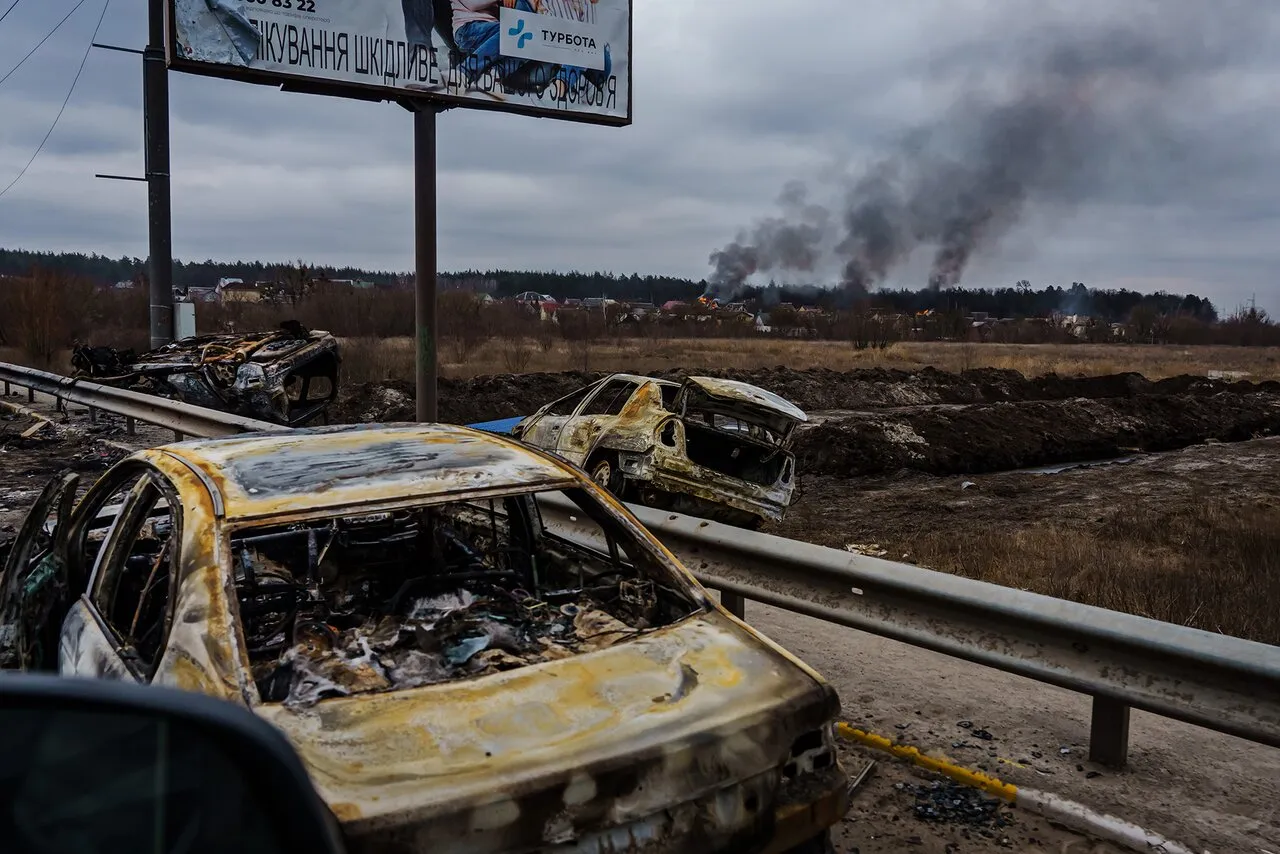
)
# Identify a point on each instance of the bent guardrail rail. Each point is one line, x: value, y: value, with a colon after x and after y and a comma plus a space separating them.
x: 1215, y: 681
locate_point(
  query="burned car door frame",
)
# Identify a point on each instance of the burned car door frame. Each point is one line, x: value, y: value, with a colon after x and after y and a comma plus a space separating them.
x: 34, y: 584
x: 134, y: 621
x: 543, y: 428
x: 91, y: 544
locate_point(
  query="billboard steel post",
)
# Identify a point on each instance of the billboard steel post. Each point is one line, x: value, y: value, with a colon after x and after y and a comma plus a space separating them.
x: 155, y: 84
x: 424, y: 217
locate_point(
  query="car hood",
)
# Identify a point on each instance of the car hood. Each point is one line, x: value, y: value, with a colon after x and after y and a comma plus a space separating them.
x: 596, y: 740
x: 746, y: 398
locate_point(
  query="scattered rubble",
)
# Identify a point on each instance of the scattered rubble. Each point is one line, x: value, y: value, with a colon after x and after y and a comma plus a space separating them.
x: 948, y: 802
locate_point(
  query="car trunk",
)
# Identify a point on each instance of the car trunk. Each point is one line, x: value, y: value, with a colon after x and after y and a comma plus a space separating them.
x: 738, y: 429
x: 546, y: 753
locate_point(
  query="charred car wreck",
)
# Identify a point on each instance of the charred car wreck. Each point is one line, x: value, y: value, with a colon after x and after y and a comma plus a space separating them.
x: 711, y: 447
x: 460, y: 668
x: 289, y: 376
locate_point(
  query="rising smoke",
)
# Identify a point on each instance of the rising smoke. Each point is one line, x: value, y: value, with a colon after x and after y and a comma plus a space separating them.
x: 1091, y: 101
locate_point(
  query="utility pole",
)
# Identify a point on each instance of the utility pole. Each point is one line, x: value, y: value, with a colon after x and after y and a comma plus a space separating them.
x: 155, y: 86
x: 424, y: 217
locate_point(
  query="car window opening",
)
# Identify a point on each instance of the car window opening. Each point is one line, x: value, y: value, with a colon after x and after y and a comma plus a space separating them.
x: 396, y: 600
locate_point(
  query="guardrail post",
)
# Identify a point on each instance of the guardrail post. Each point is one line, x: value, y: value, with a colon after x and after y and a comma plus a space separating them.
x: 60, y: 405
x: 130, y: 426
x: 93, y: 415
x: 31, y: 395
x: 1109, y: 732
x: 734, y: 604
x: 177, y: 435
x: 7, y: 389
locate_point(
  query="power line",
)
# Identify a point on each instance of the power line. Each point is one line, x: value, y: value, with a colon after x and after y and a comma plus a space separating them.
x: 65, y: 100
x: 42, y: 41
x: 10, y: 9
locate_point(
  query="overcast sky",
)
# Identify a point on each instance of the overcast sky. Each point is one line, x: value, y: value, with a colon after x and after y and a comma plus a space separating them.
x: 733, y: 98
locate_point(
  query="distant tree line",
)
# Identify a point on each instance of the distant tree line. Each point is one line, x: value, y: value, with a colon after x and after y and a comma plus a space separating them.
x: 1019, y: 300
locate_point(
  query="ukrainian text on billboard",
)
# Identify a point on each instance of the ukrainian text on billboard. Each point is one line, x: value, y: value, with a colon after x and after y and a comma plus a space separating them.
x: 570, y: 56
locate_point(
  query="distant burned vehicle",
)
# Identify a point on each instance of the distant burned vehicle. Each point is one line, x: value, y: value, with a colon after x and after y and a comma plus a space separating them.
x: 711, y: 447
x: 459, y: 668
x: 288, y: 376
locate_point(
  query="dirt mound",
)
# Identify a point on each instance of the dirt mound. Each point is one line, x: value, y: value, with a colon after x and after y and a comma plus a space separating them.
x: 815, y: 389
x: 1001, y: 436
x: 461, y: 401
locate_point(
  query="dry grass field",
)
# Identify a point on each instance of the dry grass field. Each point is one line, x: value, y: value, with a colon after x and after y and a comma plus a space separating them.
x: 375, y: 359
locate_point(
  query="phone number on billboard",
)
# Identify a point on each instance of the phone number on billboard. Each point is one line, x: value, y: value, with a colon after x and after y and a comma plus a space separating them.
x: 300, y: 5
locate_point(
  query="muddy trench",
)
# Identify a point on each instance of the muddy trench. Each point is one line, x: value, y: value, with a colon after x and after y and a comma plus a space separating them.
x: 876, y: 421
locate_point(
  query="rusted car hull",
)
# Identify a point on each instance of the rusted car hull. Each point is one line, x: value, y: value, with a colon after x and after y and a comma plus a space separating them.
x: 691, y: 730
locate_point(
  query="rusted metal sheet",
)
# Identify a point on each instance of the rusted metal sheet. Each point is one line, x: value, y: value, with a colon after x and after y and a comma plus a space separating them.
x: 266, y: 375
x: 326, y: 467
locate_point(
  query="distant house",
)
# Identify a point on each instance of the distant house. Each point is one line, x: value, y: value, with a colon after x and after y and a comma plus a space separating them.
x: 238, y: 291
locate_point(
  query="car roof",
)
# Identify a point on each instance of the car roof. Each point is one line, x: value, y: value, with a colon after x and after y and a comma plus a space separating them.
x: 637, y: 378
x: 261, y: 475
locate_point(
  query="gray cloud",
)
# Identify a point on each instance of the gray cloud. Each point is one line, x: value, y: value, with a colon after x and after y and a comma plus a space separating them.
x: 732, y: 102
x: 1079, y: 111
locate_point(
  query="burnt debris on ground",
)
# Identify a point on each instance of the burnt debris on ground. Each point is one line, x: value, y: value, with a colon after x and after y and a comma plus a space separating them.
x: 948, y: 802
x: 285, y: 376
x: 409, y: 598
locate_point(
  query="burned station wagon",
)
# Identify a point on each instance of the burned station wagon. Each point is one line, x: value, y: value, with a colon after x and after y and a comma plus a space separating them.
x: 711, y: 447
x: 459, y: 671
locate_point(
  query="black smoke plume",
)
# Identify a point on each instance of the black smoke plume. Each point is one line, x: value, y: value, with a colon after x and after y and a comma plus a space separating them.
x: 1084, y: 111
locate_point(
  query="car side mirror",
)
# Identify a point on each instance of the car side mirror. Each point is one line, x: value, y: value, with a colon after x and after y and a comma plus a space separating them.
x: 91, y: 766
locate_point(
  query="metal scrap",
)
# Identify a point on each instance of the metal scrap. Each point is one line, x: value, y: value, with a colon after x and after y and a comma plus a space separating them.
x: 286, y: 376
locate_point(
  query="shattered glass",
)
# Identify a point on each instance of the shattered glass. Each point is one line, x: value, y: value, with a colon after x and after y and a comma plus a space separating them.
x: 391, y: 601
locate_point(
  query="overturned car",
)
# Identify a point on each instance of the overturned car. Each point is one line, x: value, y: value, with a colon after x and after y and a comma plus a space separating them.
x: 711, y: 447
x: 472, y: 647
x: 287, y: 376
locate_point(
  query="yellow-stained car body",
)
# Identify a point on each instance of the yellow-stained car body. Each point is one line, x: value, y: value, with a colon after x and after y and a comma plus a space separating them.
x: 701, y: 735
x: 712, y: 447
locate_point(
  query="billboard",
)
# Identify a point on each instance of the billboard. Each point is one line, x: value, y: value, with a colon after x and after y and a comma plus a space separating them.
x: 568, y: 59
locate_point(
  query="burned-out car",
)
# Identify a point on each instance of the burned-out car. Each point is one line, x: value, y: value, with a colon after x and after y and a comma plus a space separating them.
x: 286, y: 376
x: 712, y: 447
x: 472, y: 646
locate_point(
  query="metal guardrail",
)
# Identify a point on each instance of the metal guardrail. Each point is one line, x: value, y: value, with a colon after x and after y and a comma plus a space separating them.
x: 1215, y: 681
x: 182, y: 419
x: 1122, y: 661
